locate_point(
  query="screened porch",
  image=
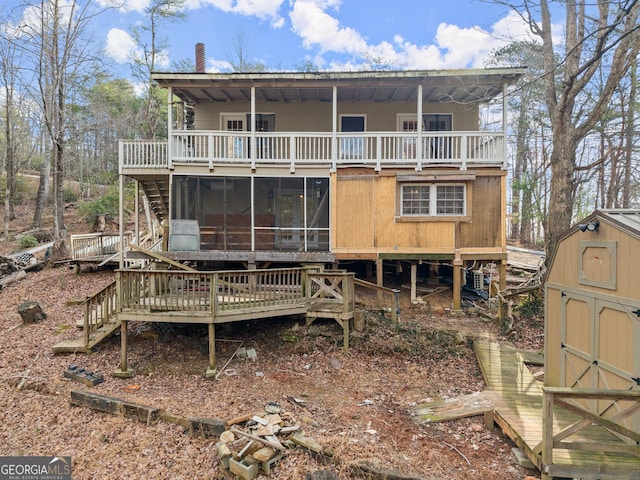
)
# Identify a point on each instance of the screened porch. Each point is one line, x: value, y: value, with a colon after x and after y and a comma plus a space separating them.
x: 237, y: 213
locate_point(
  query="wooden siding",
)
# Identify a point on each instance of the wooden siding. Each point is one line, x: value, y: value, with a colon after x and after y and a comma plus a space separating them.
x: 486, y: 212
x: 368, y: 218
x: 312, y: 117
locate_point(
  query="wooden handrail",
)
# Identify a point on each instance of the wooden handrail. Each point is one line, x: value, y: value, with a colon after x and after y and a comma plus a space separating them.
x: 391, y: 291
x: 562, y: 397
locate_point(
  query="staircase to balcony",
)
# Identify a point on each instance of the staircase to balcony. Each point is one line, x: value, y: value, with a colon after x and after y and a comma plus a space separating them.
x: 157, y: 191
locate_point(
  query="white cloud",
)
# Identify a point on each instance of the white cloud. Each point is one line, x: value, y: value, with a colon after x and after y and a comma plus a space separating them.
x: 319, y: 29
x: 126, y: 5
x: 120, y: 45
x: 453, y: 47
x: 217, y: 66
x: 263, y: 9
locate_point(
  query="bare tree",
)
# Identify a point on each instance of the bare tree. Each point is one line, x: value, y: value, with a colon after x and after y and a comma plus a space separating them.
x: 153, y: 46
x: 240, y: 54
x: 8, y: 74
x: 606, y: 31
x: 54, y: 36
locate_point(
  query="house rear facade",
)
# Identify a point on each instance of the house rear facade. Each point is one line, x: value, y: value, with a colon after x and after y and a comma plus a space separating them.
x: 332, y: 168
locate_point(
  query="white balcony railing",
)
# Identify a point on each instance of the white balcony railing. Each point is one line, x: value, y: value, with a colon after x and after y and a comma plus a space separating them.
x: 375, y: 149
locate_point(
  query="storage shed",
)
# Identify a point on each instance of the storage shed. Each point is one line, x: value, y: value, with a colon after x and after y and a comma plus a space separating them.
x: 592, y: 309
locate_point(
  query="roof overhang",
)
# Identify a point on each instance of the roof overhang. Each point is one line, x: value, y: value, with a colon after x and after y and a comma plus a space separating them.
x: 438, y: 86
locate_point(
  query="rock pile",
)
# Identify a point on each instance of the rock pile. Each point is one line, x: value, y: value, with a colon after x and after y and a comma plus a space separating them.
x: 254, y: 443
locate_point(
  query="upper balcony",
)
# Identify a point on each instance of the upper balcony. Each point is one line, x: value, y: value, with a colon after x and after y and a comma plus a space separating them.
x: 328, y: 150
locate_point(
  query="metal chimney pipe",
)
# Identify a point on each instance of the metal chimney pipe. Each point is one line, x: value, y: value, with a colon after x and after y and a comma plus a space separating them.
x: 200, y: 58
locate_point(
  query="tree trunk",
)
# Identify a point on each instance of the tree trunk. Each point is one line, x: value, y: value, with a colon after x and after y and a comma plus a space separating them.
x: 630, y: 134
x: 562, y: 188
x: 41, y: 198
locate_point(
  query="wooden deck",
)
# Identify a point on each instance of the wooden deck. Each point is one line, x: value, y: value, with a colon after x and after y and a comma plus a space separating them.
x: 519, y: 413
x: 212, y: 297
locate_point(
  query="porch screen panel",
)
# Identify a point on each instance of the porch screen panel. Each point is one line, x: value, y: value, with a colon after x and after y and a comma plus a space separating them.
x: 317, y: 206
x: 227, y: 212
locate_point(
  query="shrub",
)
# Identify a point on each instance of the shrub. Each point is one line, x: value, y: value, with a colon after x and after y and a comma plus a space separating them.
x: 69, y: 195
x: 108, y: 203
x: 27, y: 241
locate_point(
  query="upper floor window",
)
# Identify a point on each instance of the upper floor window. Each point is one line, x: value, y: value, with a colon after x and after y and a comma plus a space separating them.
x: 424, y: 199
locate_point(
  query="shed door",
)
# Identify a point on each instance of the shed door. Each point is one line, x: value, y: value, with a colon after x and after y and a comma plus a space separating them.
x: 576, y: 342
x: 599, y: 349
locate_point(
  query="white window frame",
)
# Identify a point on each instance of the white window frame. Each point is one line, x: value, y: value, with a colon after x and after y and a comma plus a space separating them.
x: 434, y: 211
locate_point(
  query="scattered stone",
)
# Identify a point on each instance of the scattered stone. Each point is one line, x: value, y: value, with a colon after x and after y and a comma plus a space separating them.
x: 251, y: 353
x: 306, y: 442
x: 227, y: 437
x: 459, y: 338
x: 335, y: 363
x: 273, y: 407
x: 522, y: 458
x: 264, y: 454
x: 322, y: 475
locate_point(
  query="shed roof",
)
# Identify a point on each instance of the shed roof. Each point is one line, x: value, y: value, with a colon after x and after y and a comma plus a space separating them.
x: 439, y: 86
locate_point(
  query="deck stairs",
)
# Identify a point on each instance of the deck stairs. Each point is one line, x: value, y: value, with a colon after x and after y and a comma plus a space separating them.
x: 99, y: 321
x: 156, y: 190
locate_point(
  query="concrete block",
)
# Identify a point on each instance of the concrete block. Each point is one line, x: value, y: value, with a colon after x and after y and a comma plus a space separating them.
x: 241, y: 469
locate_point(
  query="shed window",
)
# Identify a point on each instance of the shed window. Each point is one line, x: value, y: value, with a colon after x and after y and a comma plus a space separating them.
x: 433, y: 199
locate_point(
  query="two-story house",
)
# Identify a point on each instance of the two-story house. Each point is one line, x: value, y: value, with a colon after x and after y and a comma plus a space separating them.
x: 332, y: 168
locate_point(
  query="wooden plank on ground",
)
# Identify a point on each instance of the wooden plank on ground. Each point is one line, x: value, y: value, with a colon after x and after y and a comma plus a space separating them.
x: 103, y: 403
x: 477, y: 403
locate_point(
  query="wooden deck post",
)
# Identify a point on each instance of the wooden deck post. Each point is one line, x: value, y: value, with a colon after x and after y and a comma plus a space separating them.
x: 547, y: 434
x: 457, y: 280
x: 123, y: 371
x: 414, y: 275
x: 380, y: 278
x: 212, y: 368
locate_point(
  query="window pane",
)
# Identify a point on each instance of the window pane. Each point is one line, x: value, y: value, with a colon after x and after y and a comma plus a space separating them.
x: 450, y: 200
x: 415, y: 200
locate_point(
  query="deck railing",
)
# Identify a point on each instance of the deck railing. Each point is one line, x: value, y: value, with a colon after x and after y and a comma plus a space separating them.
x: 619, y: 411
x: 99, y: 309
x: 293, y: 149
x: 89, y: 245
x: 226, y: 292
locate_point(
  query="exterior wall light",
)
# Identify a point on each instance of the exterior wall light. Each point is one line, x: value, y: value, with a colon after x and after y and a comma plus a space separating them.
x: 591, y: 226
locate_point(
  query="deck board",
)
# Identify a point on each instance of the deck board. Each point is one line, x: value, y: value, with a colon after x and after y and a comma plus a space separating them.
x: 518, y: 412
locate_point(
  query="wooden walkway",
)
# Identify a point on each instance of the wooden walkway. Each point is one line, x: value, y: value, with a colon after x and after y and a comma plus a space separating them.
x: 519, y: 413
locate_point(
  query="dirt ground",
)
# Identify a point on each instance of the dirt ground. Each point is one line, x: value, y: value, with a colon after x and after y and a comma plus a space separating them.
x: 357, y: 405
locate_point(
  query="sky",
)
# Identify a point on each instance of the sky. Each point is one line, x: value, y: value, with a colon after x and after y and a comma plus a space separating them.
x: 338, y: 35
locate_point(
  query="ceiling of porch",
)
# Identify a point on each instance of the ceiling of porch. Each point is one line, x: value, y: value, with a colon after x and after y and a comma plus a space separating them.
x: 439, y: 86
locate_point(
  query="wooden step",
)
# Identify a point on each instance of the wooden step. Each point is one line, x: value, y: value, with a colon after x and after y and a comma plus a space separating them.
x: 73, y: 345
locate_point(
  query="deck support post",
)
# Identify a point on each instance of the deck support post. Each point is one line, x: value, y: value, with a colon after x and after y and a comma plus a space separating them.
x: 457, y: 280
x: 123, y: 371
x: 502, y: 285
x: 414, y: 275
x: 212, y: 368
x: 380, y: 278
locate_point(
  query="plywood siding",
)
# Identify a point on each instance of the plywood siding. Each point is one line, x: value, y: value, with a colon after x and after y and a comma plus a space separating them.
x: 354, y: 212
x: 366, y: 215
x: 486, y: 214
